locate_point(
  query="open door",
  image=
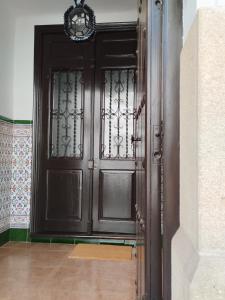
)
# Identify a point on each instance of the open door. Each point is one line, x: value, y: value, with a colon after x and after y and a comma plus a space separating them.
x: 148, y: 140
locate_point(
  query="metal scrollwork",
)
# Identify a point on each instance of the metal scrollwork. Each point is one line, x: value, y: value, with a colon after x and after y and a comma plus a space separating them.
x: 67, y: 115
x: 117, y: 114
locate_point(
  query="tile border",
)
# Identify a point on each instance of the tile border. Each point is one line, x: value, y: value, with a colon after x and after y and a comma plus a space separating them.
x: 19, y: 122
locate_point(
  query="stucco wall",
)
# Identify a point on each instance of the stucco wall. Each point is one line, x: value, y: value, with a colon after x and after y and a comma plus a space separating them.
x: 198, y: 262
x: 7, y: 29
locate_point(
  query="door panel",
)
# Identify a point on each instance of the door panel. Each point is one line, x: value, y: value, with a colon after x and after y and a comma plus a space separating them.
x: 68, y: 209
x: 119, y: 204
x: 114, y: 172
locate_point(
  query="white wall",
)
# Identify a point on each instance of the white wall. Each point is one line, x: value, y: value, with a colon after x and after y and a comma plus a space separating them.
x: 198, y: 251
x: 30, y: 13
x: 190, y: 9
x: 24, y: 45
x: 7, y: 28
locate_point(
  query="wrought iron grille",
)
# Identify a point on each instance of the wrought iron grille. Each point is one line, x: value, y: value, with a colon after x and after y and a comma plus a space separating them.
x: 117, y: 113
x: 67, y: 114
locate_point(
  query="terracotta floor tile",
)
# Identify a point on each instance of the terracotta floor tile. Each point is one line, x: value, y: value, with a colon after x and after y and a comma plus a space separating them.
x: 44, y: 272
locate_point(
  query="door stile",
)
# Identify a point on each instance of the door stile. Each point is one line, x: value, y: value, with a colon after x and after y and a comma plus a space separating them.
x: 154, y: 151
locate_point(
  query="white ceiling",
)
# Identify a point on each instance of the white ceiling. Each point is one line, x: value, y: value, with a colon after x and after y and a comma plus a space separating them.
x: 36, y: 7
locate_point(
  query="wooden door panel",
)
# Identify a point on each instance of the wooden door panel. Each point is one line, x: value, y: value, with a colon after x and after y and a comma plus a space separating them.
x: 117, y: 49
x: 117, y: 202
x: 65, y: 203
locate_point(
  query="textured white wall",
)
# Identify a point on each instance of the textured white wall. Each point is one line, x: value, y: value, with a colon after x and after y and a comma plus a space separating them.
x: 185, y: 242
x: 198, y: 252
x: 190, y: 8
x: 7, y: 28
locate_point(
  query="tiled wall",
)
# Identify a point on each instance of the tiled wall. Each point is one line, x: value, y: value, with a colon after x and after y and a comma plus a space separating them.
x: 21, y: 176
x: 15, y: 175
x: 6, y: 150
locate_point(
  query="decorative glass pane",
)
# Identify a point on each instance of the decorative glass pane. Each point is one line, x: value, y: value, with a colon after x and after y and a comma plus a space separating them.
x: 118, y: 114
x: 67, y: 114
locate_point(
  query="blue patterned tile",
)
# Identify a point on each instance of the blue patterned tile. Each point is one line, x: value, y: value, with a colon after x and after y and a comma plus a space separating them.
x: 21, y: 176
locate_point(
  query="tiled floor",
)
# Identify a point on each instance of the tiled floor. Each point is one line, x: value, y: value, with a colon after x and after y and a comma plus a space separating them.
x: 44, y: 272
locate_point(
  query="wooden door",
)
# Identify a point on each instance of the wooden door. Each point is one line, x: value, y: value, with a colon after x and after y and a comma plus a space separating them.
x: 66, y: 73
x: 115, y: 94
x: 139, y: 142
x: 148, y: 138
x: 83, y: 170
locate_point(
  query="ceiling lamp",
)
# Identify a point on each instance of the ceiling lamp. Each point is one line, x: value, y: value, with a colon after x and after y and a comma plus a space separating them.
x: 79, y: 22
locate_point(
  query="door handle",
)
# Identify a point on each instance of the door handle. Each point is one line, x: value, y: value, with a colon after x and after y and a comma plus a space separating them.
x: 133, y: 139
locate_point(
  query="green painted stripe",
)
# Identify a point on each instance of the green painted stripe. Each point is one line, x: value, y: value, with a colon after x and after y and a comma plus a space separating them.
x: 23, y: 122
x: 4, y: 237
x: 19, y: 122
x: 6, y: 119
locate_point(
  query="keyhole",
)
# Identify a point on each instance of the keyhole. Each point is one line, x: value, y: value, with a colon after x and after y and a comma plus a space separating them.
x: 157, y: 155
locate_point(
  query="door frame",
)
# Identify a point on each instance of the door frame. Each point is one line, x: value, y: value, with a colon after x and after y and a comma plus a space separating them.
x: 39, y: 32
x: 172, y: 45
x: 172, y: 33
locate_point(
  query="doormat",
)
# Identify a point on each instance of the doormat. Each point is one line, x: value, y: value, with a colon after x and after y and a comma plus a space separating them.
x: 101, y: 252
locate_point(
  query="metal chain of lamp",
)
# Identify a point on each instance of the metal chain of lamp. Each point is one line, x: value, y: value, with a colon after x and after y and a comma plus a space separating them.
x: 79, y: 22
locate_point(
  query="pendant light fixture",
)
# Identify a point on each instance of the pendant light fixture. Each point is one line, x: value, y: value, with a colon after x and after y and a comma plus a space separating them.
x: 79, y: 22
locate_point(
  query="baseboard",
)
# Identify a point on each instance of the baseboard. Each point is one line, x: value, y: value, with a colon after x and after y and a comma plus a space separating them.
x: 23, y: 235
x: 4, y: 237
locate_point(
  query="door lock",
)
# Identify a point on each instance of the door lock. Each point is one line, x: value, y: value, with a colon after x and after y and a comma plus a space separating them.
x: 92, y: 165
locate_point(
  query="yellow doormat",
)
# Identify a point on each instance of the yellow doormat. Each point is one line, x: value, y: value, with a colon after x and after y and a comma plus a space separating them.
x: 101, y: 252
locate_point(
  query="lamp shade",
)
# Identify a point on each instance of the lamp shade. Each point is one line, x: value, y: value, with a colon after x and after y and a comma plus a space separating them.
x: 79, y: 22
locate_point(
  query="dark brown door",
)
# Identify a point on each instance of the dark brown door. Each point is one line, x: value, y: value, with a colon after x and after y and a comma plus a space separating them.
x: 83, y: 171
x: 63, y: 189
x: 139, y: 142
x: 148, y: 151
x: 114, y: 173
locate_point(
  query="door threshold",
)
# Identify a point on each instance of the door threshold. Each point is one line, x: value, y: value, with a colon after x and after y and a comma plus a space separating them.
x: 51, y: 235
